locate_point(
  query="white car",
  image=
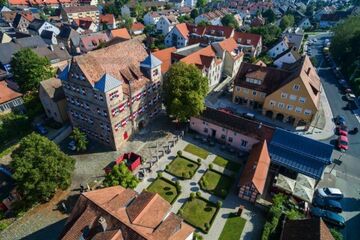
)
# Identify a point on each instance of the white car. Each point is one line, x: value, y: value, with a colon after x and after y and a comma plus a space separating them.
x: 329, y: 193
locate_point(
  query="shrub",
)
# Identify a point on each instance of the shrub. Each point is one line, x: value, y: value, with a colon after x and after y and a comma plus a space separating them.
x: 190, y: 173
x: 199, y: 160
x: 177, y: 183
x: 167, y: 167
x: 179, y: 153
x: 178, y: 187
x: 198, y: 194
x: 183, y: 175
x: 207, y: 226
x: 223, y: 192
x: 219, y: 203
x: 211, y: 166
x: 192, y: 196
x: 159, y: 175
x: 181, y: 212
x: 336, y: 234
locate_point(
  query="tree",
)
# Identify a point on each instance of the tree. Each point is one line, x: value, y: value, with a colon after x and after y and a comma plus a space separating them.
x: 194, y: 13
x: 229, y: 21
x: 29, y: 69
x: 269, y: 32
x: 127, y: 22
x: 336, y: 234
x: 80, y: 139
x: 3, y: 2
x: 184, y: 91
x: 121, y: 175
x: 138, y: 11
x: 269, y: 15
x: 203, y: 23
x: 40, y: 169
x: 287, y: 21
x: 201, y: 3
x: 112, y: 8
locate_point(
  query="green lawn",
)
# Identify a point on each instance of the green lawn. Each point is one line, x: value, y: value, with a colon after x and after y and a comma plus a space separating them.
x: 165, y: 188
x: 199, y: 212
x: 200, y: 152
x: 229, y: 165
x: 216, y: 183
x: 182, y: 167
x: 233, y: 228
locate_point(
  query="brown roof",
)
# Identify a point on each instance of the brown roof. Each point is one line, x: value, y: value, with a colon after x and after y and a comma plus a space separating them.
x: 257, y: 167
x: 7, y: 94
x: 201, y: 58
x: 238, y: 124
x: 306, y: 229
x: 120, y: 33
x: 53, y: 88
x: 165, y: 57
x: 130, y: 216
x: 183, y: 29
x: 107, y: 18
x: 84, y: 8
x: 247, y: 38
x: 272, y: 78
x: 137, y: 26
x: 8, y: 16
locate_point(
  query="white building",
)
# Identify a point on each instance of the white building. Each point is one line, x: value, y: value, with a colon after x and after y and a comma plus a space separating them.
x: 38, y: 26
x: 305, y: 24
x: 213, y: 18
x: 166, y: 23
x: 178, y: 36
x: 125, y: 11
x: 279, y: 48
x: 190, y: 3
x: 151, y: 18
x: 287, y: 57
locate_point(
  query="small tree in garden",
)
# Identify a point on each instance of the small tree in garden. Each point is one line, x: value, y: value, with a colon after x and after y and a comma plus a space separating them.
x: 80, y: 139
x: 198, y: 194
x: 179, y: 153
x: 192, y: 196
x: 121, y: 175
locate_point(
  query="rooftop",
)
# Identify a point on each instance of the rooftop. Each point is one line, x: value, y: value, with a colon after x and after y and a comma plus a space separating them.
x: 76, y: 9
x: 7, y: 94
x: 53, y: 88
x: 306, y: 229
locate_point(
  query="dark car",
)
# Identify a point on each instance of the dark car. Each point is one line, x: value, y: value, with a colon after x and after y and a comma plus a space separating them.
x: 41, y: 129
x: 339, y: 120
x: 328, y: 216
x: 327, y: 204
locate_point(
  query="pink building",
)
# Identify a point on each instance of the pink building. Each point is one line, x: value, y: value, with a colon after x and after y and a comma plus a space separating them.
x: 233, y: 130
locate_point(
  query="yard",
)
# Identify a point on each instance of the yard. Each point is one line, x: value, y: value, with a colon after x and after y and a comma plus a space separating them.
x: 216, y: 183
x: 165, y: 188
x: 199, y: 213
x: 200, y: 152
x: 229, y: 165
x: 182, y: 167
x: 233, y: 228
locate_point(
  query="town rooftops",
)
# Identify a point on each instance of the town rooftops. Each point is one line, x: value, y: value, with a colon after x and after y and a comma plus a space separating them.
x: 7, y: 94
x: 291, y: 51
x: 92, y: 41
x: 77, y: 9
x: 301, y: 154
x: 257, y: 167
x: 37, y: 2
x: 53, y: 88
x: 126, y: 214
x: 230, y: 46
x: 150, y: 62
x: 247, y: 38
x: 120, y: 33
x: 36, y: 24
x: 107, y: 18
x: 238, y: 124
x: 137, y: 26
x: 306, y: 229
x: 165, y: 57
x: 201, y: 58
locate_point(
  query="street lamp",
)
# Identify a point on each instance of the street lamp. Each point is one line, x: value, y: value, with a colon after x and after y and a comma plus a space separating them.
x: 338, y: 160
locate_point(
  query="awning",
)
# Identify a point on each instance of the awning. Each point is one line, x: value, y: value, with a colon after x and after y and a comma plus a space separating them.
x: 303, y: 193
x: 284, y: 183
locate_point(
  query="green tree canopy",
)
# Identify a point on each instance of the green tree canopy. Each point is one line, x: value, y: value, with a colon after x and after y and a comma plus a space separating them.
x: 80, y: 139
x: 203, y: 23
x: 41, y: 168
x: 112, y: 8
x: 3, y: 2
x: 229, y: 21
x: 194, y: 13
x: 270, y: 33
x: 201, y: 3
x: 184, y: 91
x: 287, y: 21
x: 121, y: 175
x: 127, y: 22
x: 29, y: 69
x: 269, y: 15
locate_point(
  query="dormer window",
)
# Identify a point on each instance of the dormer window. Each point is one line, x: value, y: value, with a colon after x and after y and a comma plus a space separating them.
x: 253, y: 81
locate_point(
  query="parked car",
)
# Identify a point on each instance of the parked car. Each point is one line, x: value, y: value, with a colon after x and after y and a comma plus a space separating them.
x: 339, y: 120
x: 329, y: 193
x: 327, y: 204
x: 343, y: 143
x: 350, y: 97
x: 328, y: 216
x: 342, y: 130
x: 41, y: 129
x: 250, y: 116
x: 72, y: 145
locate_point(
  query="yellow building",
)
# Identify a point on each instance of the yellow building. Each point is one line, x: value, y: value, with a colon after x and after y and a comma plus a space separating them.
x: 290, y: 94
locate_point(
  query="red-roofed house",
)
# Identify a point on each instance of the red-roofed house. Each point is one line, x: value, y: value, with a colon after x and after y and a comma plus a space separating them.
x: 107, y: 21
x: 9, y: 99
x: 253, y: 179
x: 121, y: 33
x: 137, y: 28
x: 37, y: 3
x: 92, y: 41
x: 85, y: 24
x: 249, y: 42
x: 165, y: 57
x: 178, y: 36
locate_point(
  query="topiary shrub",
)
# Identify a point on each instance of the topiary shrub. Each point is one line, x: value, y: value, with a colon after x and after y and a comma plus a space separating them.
x: 159, y: 175
x: 178, y: 187
x: 179, y: 153
x: 207, y: 226
x: 219, y: 204
x: 211, y: 166
x: 199, y: 160
x: 198, y: 194
x: 192, y: 196
x: 167, y: 167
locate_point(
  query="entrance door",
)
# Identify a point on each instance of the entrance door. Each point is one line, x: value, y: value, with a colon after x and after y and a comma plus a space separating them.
x: 213, y: 132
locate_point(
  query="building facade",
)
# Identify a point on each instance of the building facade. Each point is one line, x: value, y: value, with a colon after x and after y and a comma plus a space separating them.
x: 69, y: 14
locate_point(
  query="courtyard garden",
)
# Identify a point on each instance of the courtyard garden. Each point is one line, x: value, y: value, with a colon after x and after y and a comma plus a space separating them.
x: 165, y: 188
x: 233, y: 228
x: 197, y: 151
x: 182, y: 167
x: 199, y: 212
x: 227, y: 164
x: 216, y: 183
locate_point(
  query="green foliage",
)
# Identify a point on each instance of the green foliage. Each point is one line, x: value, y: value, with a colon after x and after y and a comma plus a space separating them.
x: 269, y: 15
x: 127, y: 22
x: 184, y: 91
x: 230, y: 21
x: 159, y: 175
x: 211, y: 166
x: 198, y: 194
x: 199, y: 160
x: 192, y: 196
x: 181, y: 212
x: 3, y: 2
x: 336, y: 234
x: 203, y: 23
x: 33, y: 105
x: 185, y: 18
x: 80, y: 139
x: 110, y: 8
x: 179, y: 153
x: 121, y: 175
x: 138, y: 11
x: 41, y: 168
x: 197, y: 236
x: 149, y: 29
x: 29, y: 69
x: 287, y: 21
x: 219, y: 204
x: 269, y: 32
x: 201, y: 3
x: 12, y: 126
x: 194, y: 13
x: 265, y: 58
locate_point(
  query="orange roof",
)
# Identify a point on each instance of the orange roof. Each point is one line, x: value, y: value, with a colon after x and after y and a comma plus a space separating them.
x: 37, y: 2
x: 137, y: 26
x: 28, y: 16
x: 257, y: 167
x: 107, y: 18
x: 230, y: 45
x: 201, y: 58
x: 6, y: 93
x: 120, y: 33
x: 165, y: 57
x: 183, y: 29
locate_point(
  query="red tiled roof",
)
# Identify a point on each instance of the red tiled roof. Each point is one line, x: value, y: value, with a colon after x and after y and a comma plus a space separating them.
x: 84, y: 8
x: 230, y: 45
x: 242, y: 38
x: 7, y: 94
x: 165, y: 57
x: 137, y: 26
x: 36, y: 2
x: 201, y: 58
x: 107, y: 18
x: 183, y: 29
x: 306, y: 229
x: 257, y: 167
x: 84, y: 23
x: 120, y: 33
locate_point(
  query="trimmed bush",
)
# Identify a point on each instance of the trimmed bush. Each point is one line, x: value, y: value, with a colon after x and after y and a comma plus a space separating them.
x: 199, y: 160
x: 178, y: 187
x: 219, y: 204
x: 211, y: 166
x: 159, y: 175
x: 198, y: 194
x: 181, y: 212
x: 179, y: 153
x: 192, y: 196
x: 167, y: 167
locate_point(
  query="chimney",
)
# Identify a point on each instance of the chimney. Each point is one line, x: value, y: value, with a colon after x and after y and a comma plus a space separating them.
x: 308, y: 71
x: 103, y: 223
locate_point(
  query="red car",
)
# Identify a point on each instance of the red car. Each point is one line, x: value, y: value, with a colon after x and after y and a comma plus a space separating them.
x: 342, y: 130
x: 343, y: 143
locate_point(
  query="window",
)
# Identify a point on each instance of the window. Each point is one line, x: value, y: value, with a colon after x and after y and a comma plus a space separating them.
x: 223, y: 136
x: 290, y: 107
x: 281, y: 105
x: 296, y: 87
x: 302, y: 99
x: 230, y: 139
x: 206, y: 130
x: 246, y: 91
x: 293, y: 97
x: 298, y: 109
x: 284, y: 95
x: 307, y: 111
x: 272, y: 103
x: 254, y: 93
x: 243, y: 143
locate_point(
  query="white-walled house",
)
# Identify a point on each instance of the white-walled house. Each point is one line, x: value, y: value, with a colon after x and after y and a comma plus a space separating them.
x: 279, y: 48
x: 213, y: 18
x: 177, y: 3
x: 305, y: 24
x: 151, y: 18
x: 287, y: 57
x: 37, y: 26
x: 166, y: 23
x: 190, y: 3
x: 178, y: 36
